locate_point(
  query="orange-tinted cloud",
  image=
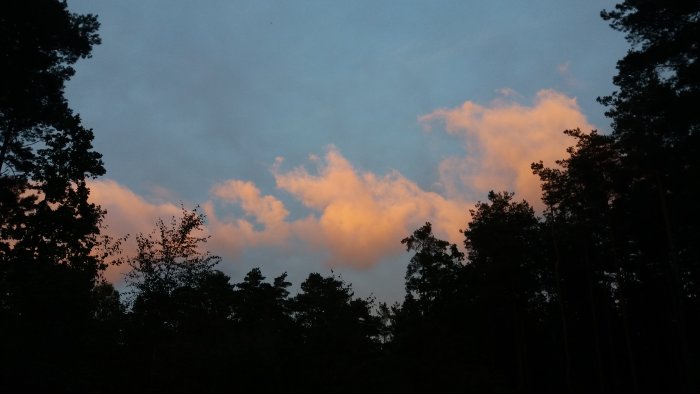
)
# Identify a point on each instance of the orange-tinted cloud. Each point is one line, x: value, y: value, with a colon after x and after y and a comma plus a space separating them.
x: 503, y: 139
x: 361, y: 217
x: 354, y: 218
x: 263, y: 222
x: 357, y: 218
x: 127, y: 213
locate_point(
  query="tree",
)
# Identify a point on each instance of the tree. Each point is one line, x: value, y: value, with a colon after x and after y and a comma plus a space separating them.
x: 656, y: 129
x: 591, y: 255
x: 433, y: 274
x: 328, y: 311
x: 49, y: 268
x: 264, y: 337
x: 503, y: 242
x: 169, y: 257
x: 46, y: 154
x: 338, y: 332
x: 436, y: 319
x: 259, y: 304
x: 169, y: 274
x: 656, y: 126
x: 181, y: 309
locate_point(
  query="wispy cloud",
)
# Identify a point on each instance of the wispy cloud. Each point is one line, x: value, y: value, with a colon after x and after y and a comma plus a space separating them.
x: 564, y: 70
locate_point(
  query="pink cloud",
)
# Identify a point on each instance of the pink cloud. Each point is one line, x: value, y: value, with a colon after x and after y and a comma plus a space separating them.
x: 231, y: 234
x: 361, y: 217
x: 127, y: 213
x: 355, y: 217
x: 502, y: 140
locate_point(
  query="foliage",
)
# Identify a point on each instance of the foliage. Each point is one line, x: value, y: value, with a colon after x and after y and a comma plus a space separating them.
x: 169, y: 257
x: 434, y: 269
x: 338, y: 332
x: 655, y: 127
x: 332, y: 320
x: 51, y: 308
x: 45, y: 152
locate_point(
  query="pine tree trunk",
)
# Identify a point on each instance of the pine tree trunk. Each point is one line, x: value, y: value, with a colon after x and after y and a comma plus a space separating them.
x: 7, y: 138
x: 519, y: 349
x: 594, y: 319
x: 623, y: 309
x: 677, y: 293
x: 630, y: 348
x: 562, y: 310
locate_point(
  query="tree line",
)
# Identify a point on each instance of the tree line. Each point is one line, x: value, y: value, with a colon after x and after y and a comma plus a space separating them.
x: 599, y: 294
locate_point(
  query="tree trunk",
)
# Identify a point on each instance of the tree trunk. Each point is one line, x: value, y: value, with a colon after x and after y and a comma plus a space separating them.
x: 623, y: 310
x: 7, y: 138
x: 630, y: 347
x: 562, y: 309
x: 519, y: 348
x: 594, y: 319
x: 677, y: 293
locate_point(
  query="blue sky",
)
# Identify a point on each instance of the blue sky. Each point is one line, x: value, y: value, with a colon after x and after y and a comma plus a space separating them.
x: 287, y: 97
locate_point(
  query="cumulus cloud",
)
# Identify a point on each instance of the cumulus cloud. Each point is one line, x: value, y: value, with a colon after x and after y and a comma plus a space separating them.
x: 131, y: 214
x: 127, y: 214
x: 263, y: 222
x: 354, y: 217
x: 502, y: 139
x: 360, y: 216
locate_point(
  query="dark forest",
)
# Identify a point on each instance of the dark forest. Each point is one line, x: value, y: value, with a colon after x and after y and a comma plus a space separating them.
x: 598, y: 294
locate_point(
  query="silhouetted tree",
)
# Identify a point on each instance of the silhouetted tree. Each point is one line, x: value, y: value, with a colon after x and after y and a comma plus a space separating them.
x: 48, y: 228
x: 504, y: 247
x: 265, y: 341
x: 181, y: 308
x: 655, y: 126
x: 592, y: 269
x: 339, y: 335
x: 434, y: 272
x: 427, y: 326
x: 169, y: 257
x: 45, y: 153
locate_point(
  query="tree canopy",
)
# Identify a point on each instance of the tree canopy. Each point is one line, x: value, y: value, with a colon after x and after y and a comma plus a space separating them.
x: 46, y: 153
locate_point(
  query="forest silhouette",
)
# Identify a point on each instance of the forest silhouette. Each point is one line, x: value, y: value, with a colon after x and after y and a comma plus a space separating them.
x: 599, y: 294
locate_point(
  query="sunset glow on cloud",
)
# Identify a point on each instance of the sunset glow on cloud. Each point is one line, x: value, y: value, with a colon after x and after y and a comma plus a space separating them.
x: 127, y: 214
x: 361, y: 216
x: 263, y: 222
x: 502, y: 139
x: 357, y: 218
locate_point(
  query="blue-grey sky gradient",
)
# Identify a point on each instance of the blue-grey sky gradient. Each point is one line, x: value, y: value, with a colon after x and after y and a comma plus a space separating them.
x: 183, y: 95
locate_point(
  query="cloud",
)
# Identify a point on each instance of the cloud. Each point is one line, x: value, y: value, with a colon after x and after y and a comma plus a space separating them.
x: 361, y: 217
x: 131, y: 214
x: 127, y: 213
x: 346, y: 216
x: 263, y: 222
x: 507, y: 92
x: 502, y: 139
x: 354, y: 218
x: 564, y: 70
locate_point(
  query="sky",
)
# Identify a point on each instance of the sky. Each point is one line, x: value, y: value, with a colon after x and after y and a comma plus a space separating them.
x: 315, y: 135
